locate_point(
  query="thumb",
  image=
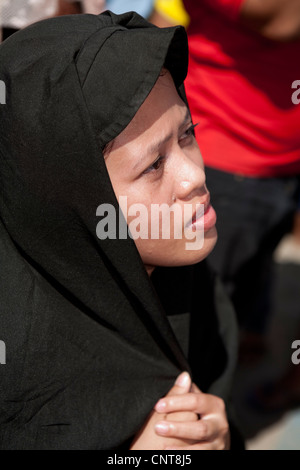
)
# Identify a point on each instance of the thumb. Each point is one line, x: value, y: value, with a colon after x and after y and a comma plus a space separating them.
x: 182, y: 385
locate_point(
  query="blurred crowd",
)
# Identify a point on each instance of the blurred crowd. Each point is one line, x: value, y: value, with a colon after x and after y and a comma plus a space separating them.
x: 243, y: 61
x: 16, y: 14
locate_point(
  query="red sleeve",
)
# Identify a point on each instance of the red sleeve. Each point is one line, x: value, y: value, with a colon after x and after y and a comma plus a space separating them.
x: 229, y: 8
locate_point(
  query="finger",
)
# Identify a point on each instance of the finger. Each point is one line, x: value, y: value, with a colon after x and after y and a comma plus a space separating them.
x: 201, y: 403
x: 201, y: 430
x: 198, y: 446
x: 185, y: 402
x: 215, y: 444
x: 188, y: 416
x: 182, y: 385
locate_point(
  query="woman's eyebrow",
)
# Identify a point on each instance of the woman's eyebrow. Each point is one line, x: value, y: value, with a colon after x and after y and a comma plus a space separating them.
x: 154, y: 146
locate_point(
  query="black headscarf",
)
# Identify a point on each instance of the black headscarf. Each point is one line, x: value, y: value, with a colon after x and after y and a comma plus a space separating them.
x: 89, y: 346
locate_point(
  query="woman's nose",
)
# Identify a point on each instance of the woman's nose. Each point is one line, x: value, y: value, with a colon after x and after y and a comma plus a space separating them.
x: 191, y: 179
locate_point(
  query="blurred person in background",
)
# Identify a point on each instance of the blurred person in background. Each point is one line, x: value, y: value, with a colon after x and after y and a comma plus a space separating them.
x: 169, y: 13
x: 243, y: 61
x: 17, y: 14
x: 142, y: 7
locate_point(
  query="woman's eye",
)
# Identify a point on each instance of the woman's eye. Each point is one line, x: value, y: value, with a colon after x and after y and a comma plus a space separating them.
x: 189, y: 132
x: 156, y: 165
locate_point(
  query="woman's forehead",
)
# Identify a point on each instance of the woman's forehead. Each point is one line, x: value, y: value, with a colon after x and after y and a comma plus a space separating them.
x: 162, y: 107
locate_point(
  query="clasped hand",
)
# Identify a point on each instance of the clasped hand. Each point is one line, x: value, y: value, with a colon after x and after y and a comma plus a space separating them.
x: 185, y: 419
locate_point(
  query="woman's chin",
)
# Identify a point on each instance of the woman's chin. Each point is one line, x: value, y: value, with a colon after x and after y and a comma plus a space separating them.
x: 185, y: 252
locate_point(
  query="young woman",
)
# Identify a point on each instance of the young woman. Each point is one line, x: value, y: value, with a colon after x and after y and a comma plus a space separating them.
x: 97, y: 325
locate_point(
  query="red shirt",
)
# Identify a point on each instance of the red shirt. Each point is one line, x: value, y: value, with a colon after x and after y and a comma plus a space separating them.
x: 239, y: 88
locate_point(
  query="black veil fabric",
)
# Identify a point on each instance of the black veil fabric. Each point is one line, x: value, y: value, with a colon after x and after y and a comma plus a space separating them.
x: 89, y: 346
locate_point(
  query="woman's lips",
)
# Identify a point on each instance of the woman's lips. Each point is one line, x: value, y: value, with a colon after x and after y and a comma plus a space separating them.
x: 204, y: 221
x: 210, y: 218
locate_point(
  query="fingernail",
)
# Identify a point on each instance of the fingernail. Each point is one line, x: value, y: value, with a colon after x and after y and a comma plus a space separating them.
x: 183, y: 379
x: 160, y: 405
x: 162, y: 428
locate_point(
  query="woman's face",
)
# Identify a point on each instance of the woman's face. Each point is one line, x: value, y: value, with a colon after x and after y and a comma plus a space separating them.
x: 155, y: 161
